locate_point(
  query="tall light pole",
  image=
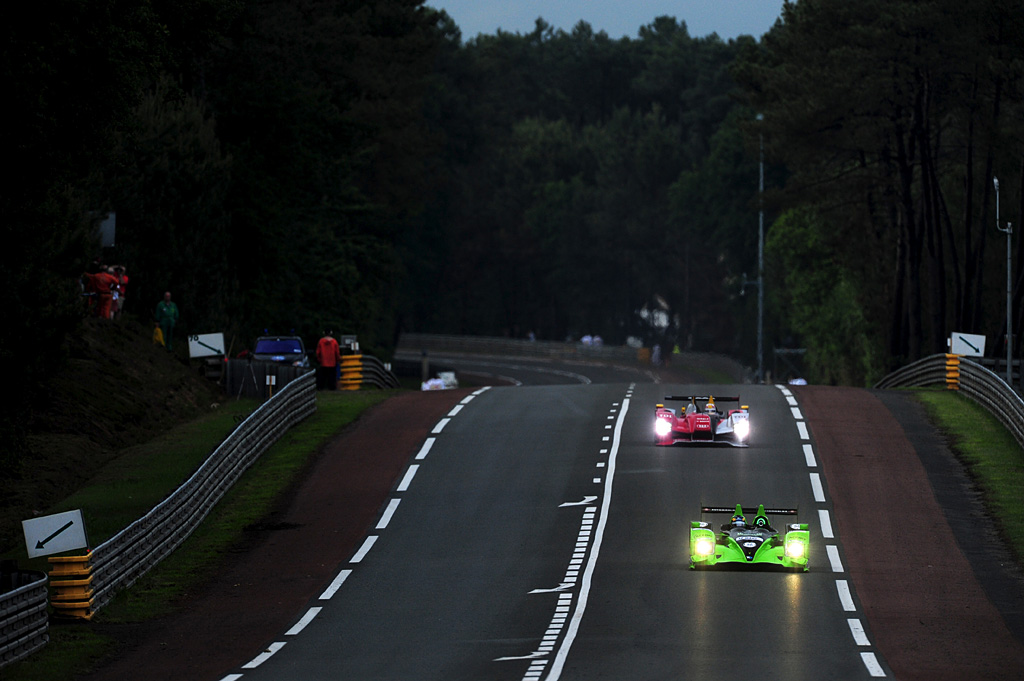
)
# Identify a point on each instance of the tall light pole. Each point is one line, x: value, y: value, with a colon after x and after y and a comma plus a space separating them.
x: 1009, y: 290
x: 760, y: 256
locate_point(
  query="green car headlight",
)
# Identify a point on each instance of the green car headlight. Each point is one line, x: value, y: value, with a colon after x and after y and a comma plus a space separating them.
x: 795, y: 548
x: 703, y: 547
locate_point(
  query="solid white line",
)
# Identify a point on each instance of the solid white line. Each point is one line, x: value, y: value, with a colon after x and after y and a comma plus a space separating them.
x: 335, y: 585
x: 588, y: 574
x: 819, y: 493
x: 264, y: 656
x: 455, y: 410
x: 425, y: 448
x: 306, y: 619
x: 826, y: 524
x: 388, y: 512
x: 871, y: 662
x: 809, y: 456
x: 833, y: 558
x: 796, y: 413
x: 364, y: 549
x: 857, y: 629
x: 845, y: 597
x: 409, y: 475
x: 440, y: 426
x: 802, y: 427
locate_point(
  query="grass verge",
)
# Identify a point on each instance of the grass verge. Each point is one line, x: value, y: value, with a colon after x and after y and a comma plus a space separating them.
x: 76, y: 647
x: 993, y: 459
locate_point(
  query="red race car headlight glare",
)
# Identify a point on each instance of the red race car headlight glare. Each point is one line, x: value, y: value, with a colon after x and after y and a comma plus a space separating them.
x: 742, y: 429
x: 662, y: 427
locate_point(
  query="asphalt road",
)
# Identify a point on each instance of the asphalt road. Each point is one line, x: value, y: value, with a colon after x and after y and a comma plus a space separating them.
x: 542, y: 535
x: 532, y: 531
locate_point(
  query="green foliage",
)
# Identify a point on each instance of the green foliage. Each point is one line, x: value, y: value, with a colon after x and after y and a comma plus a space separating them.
x: 892, y: 118
x: 817, y: 298
x: 560, y: 151
x: 993, y: 458
x: 293, y: 166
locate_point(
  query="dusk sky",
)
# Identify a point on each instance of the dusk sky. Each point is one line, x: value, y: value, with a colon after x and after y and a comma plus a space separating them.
x: 617, y: 18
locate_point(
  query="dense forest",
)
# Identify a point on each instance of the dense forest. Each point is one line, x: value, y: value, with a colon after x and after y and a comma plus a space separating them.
x: 355, y: 164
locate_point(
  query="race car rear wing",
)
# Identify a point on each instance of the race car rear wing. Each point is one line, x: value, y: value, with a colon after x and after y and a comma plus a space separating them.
x: 747, y: 509
x: 703, y: 398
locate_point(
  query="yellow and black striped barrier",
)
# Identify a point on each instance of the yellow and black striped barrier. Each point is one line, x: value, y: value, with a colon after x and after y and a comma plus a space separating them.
x: 71, y: 584
x: 351, y: 372
x: 952, y: 372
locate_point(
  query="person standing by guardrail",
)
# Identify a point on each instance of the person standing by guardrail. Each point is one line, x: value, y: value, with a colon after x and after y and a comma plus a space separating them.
x: 166, y: 317
x: 328, y: 357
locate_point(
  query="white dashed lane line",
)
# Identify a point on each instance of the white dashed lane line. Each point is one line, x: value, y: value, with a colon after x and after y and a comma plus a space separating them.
x: 819, y: 493
x: 845, y: 597
x: 335, y: 585
x: 831, y: 550
x: 385, y: 520
x: 407, y: 478
x: 304, y: 621
x: 388, y: 513
x: 833, y: 558
x: 425, y: 449
x: 826, y: 523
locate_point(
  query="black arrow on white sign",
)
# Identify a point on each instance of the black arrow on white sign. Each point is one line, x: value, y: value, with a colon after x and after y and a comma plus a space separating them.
x: 43, y: 542
x: 969, y: 344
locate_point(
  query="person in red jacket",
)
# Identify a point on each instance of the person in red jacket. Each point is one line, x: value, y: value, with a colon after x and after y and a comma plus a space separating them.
x: 105, y: 283
x: 328, y: 355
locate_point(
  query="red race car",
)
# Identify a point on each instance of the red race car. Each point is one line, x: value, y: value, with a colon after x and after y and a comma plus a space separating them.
x: 701, y: 422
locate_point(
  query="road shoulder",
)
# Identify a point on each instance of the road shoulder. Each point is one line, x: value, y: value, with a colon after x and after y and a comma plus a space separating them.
x: 921, y: 593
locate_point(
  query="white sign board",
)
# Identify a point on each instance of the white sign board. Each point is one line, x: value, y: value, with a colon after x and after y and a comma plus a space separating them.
x: 206, y: 345
x: 969, y: 344
x: 54, y: 533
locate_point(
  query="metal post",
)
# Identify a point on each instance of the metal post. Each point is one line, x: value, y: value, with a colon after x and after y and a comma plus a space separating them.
x: 1009, y: 290
x: 760, y: 259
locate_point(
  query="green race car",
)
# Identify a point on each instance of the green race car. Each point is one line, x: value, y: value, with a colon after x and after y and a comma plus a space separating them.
x: 755, y: 543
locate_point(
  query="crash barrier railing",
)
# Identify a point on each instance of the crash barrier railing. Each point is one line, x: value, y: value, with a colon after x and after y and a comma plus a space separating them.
x: 24, y: 625
x: 121, y: 560
x: 413, y: 346
x: 971, y: 379
x: 359, y: 370
x: 258, y: 380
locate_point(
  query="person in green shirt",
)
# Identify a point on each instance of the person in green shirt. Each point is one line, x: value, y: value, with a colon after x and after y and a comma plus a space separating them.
x: 166, y: 317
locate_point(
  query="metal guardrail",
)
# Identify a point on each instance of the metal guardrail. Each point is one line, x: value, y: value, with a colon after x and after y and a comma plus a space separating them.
x: 373, y: 372
x: 512, y: 347
x: 24, y: 625
x: 413, y: 345
x: 980, y: 384
x: 121, y: 560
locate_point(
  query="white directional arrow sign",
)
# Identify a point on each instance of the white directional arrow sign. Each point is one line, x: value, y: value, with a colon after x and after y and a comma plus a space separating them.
x: 54, y: 533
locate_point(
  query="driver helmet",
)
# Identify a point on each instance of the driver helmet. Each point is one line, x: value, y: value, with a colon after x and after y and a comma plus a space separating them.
x: 710, y: 406
x: 739, y: 520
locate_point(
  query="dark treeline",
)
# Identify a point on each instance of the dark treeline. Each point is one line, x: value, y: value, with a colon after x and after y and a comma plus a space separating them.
x: 354, y: 164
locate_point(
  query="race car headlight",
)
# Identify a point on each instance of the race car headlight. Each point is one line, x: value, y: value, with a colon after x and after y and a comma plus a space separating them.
x: 795, y: 548
x: 742, y: 429
x: 703, y: 547
x: 662, y: 427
